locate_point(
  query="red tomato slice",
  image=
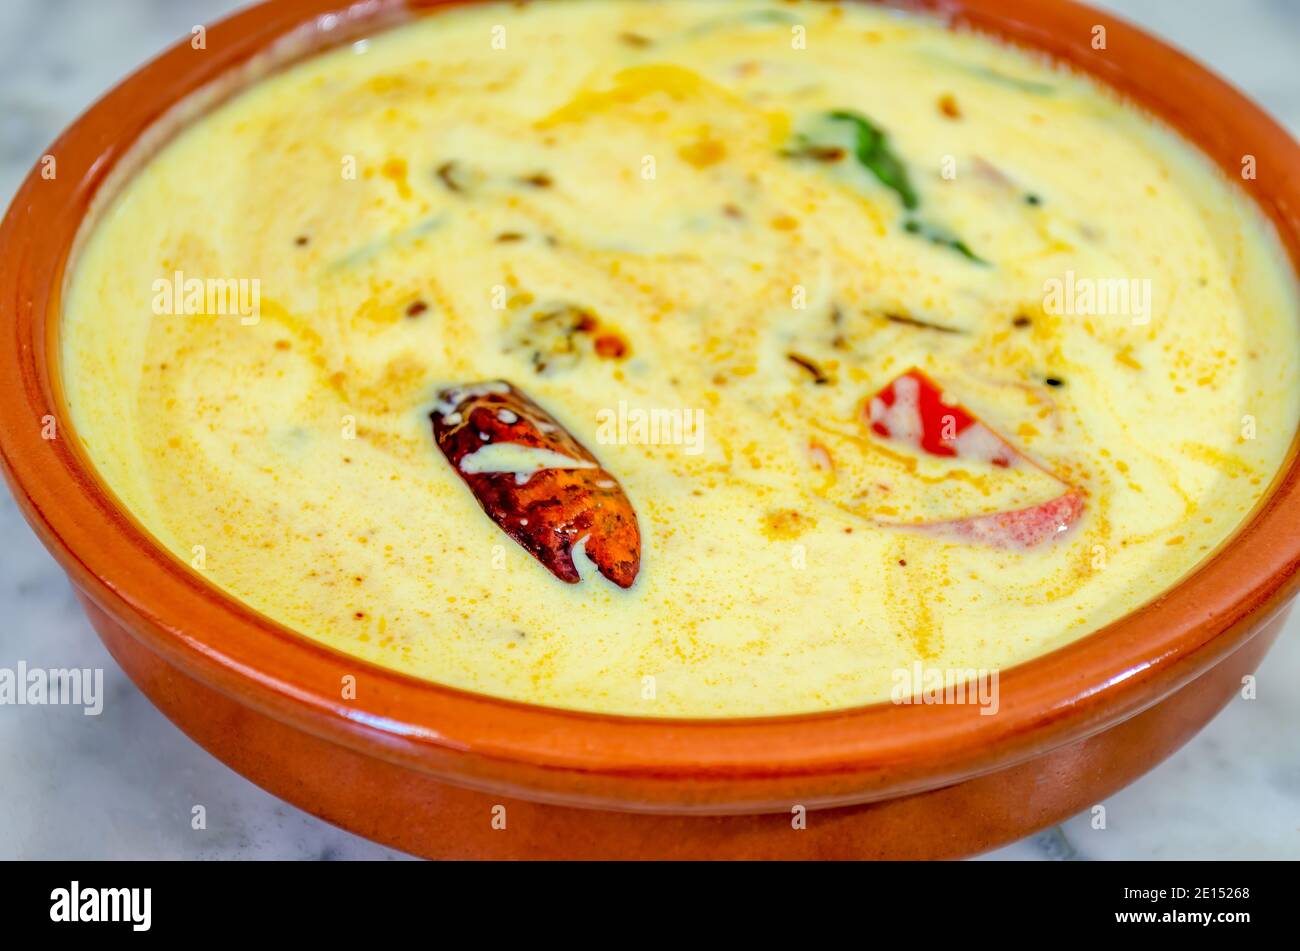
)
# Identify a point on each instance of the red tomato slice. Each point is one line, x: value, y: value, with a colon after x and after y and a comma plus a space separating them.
x: 912, y: 410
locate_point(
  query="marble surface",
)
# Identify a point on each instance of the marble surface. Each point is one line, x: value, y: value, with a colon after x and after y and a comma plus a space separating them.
x: 123, y: 784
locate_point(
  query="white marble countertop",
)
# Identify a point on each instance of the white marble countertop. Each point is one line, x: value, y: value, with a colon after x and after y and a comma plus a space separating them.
x: 122, y: 784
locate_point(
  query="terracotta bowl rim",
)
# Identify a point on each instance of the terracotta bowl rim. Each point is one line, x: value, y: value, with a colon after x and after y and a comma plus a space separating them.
x: 1072, y: 692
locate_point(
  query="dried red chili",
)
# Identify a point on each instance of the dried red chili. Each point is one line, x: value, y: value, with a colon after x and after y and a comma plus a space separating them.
x: 549, y: 510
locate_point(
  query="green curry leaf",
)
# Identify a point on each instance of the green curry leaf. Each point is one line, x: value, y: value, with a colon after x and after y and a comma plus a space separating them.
x: 938, y: 235
x: 872, y: 150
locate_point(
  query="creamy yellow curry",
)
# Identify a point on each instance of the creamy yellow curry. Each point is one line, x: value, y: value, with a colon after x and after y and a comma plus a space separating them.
x: 683, y: 358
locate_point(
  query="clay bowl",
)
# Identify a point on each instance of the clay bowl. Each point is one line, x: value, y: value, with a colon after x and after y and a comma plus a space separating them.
x: 425, y: 768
